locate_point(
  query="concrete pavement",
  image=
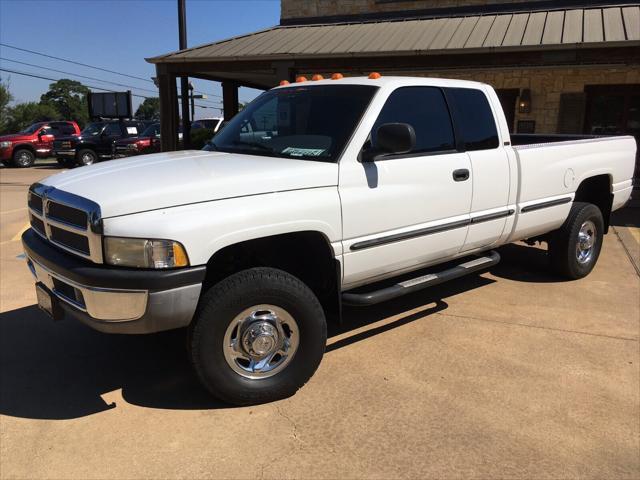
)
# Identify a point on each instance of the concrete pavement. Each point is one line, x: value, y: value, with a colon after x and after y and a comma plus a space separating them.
x: 512, y: 373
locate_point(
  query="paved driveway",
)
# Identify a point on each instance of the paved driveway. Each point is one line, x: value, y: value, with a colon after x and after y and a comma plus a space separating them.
x: 511, y: 373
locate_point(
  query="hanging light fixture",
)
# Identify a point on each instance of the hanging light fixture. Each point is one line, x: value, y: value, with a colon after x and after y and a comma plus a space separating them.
x: 524, y: 103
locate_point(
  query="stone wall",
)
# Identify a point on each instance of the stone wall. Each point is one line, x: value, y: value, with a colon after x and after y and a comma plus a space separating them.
x: 546, y: 85
x: 320, y: 8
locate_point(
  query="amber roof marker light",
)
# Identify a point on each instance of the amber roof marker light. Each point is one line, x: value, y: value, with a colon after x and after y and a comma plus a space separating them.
x: 284, y: 82
x: 301, y: 79
x: 336, y: 76
x: 374, y: 75
x: 317, y: 77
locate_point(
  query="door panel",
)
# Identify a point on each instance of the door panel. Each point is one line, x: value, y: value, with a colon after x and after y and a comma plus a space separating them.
x: 396, y: 199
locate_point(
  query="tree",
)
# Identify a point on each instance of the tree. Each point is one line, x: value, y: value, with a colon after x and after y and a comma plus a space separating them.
x: 149, y: 109
x: 5, y: 99
x: 69, y: 99
x: 24, y: 114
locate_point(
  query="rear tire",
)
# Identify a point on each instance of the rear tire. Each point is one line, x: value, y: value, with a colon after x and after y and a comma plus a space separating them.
x: 86, y: 156
x: 23, y: 158
x: 257, y: 336
x: 575, y: 247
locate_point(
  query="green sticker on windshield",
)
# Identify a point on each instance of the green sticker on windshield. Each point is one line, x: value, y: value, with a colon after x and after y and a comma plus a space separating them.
x: 303, y: 152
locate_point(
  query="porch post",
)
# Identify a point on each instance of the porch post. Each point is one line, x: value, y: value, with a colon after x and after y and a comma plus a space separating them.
x: 168, y: 93
x: 229, y: 99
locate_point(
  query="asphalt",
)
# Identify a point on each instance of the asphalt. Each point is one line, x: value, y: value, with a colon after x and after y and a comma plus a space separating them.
x: 513, y: 373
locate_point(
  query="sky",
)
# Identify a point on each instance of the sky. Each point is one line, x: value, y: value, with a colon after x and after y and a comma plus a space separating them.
x: 118, y: 35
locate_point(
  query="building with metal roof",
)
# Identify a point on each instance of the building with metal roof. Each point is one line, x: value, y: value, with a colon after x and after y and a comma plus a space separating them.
x: 558, y: 66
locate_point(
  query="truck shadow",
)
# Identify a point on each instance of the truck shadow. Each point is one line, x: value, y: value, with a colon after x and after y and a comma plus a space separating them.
x: 62, y: 370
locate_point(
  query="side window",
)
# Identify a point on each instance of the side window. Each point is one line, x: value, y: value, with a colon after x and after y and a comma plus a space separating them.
x: 474, y: 118
x: 425, y: 109
x: 51, y: 130
x: 113, y: 130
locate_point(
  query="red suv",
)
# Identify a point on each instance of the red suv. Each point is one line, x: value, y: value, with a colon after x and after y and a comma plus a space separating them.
x: 22, y: 148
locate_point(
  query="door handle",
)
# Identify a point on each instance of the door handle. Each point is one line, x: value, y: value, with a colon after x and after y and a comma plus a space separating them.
x: 461, y: 175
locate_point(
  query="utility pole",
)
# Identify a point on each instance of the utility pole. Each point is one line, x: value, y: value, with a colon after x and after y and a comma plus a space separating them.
x: 184, y: 81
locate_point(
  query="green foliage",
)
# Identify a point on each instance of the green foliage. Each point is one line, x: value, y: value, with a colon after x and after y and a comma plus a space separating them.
x: 69, y: 99
x: 200, y: 137
x: 22, y: 115
x: 149, y: 109
x: 5, y: 98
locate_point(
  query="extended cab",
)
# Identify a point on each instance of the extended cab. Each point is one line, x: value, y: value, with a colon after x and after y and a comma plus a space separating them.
x: 317, y: 194
x: 95, y: 142
x: 36, y: 141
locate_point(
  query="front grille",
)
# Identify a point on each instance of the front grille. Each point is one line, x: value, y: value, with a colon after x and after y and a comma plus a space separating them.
x: 66, y: 220
x: 35, y: 202
x: 66, y: 214
x: 79, y: 243
x: 38, y: 225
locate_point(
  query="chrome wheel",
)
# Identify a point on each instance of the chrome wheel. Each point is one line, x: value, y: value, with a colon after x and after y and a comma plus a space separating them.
x: 261, y: 341
x: 24, y: 158
x: 87, y: 158
x: 586, y: 242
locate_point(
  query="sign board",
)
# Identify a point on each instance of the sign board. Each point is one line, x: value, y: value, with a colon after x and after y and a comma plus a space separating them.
x: 110, y: 104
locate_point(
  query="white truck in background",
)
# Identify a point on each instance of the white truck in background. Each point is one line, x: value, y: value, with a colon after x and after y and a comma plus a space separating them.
x: 317, y: 194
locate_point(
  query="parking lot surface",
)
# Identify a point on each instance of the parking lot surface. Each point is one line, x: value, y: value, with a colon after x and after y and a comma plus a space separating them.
x: 511, y: 373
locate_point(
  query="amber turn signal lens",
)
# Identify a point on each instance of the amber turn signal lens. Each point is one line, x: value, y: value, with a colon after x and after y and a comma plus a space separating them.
x: 284, y: 82
x: 374, y: 75
x: 179, y: 255
x: 317, y: 76
x: 336, y: 76
x: 301, y: 79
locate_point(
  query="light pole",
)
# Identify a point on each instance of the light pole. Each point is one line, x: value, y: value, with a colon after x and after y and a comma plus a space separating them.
x: 184, y: 81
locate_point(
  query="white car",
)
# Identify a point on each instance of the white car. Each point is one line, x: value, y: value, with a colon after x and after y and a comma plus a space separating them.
x: 308, y: 199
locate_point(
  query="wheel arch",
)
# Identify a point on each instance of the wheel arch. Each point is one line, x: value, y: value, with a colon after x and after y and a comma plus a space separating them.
x: 23, y: 146
x: 597, y: 190
x: 306, y: 254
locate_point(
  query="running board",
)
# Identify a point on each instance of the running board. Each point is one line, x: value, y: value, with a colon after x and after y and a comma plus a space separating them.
x: 418, y: 283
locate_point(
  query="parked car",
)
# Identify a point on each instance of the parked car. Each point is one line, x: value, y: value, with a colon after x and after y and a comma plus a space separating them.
x: 316, y: 195
x: 95, y: 142
x: 147, y: 142
x: 214, y: 124
x: 36, y: 141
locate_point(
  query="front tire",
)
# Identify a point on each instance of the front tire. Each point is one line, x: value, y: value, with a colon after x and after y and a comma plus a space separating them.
x: 575, y: 247
x: 257, y: 336
x: 23, y: 158
x: 86, y: 156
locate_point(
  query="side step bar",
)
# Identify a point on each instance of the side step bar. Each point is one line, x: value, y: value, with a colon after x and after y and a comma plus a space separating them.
x: 418, y: 283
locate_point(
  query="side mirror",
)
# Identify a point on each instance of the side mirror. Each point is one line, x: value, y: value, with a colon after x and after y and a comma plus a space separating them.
x: 391, y: 138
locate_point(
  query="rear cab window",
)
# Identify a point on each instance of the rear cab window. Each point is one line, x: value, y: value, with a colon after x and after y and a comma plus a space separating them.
x: 473, y: 117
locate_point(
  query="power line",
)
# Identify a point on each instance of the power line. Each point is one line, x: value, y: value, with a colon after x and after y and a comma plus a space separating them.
x: 88, y: 86
x: 90, y: 78
x: 87, y: 65
x: 75, y: 74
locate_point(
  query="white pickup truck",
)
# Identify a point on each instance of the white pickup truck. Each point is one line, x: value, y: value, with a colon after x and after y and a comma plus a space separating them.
x: 317, y: 194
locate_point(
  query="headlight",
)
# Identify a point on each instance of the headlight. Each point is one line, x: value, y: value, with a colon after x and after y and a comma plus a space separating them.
x: 132, y: 146
x: 143, y: 253
x: 5, y: 144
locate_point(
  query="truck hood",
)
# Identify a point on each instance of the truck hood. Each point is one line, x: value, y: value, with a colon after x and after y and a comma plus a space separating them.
x: 164, y: 180
x: 15, y: 137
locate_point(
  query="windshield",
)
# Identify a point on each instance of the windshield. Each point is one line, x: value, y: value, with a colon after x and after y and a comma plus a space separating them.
x: 93, y: 129
x: 306, y: 122
x: 151, y: 131
x: 31, y: 128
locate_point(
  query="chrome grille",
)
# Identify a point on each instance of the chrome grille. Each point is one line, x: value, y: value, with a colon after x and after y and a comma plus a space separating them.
x: 66, y: 220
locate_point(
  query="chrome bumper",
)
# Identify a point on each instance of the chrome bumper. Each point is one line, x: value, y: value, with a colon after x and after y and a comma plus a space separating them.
x: 98, y: 303
x: 121, y: 311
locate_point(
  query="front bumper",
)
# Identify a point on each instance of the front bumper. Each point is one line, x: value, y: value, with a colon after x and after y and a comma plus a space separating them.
x: 115, y: 300
x: 6, y: 153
